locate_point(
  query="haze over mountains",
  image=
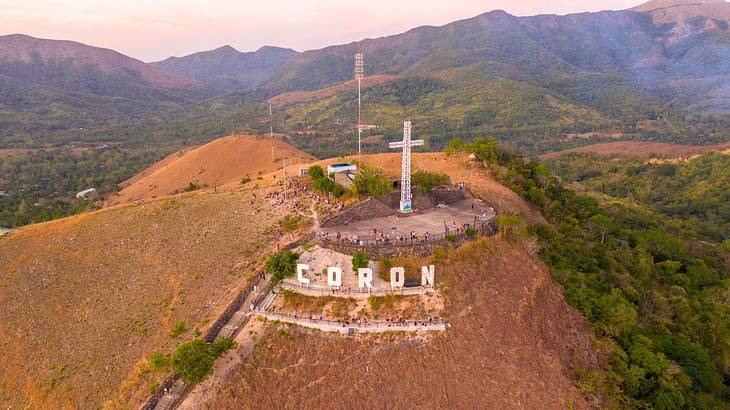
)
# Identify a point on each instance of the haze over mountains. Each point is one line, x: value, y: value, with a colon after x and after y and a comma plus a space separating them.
x: 658, y: 70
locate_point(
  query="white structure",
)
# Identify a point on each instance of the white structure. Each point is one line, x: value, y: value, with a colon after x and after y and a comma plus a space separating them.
x: 334, y: 277
x: 406, y: 144
x: 397, y: 277
x: 359, y: 75
x: 85, y: 193
x: 365, y: 278
x: 427, y: 275
x: 343, y: 167
x: 301, y: 267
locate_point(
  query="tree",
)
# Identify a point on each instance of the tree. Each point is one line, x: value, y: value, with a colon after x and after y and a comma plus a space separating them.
x: 359, y: 260
x: 315, y: 172
x: 425, y: 181
x: 193, y: 360
x: 371, y: 181
x: 282, y: 264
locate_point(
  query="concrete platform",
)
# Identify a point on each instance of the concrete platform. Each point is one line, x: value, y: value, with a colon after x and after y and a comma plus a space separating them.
x: 434, y: 221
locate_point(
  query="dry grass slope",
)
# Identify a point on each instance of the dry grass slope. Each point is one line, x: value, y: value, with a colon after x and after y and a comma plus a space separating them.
x: 222, y: 161
x: 84, y: 300
x: 514, y: 343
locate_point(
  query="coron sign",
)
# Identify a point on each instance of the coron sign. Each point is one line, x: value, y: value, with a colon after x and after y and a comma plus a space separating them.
x: 365, y: 276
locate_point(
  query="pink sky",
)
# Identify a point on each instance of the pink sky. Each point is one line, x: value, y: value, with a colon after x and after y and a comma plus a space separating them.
x: 155, y: 29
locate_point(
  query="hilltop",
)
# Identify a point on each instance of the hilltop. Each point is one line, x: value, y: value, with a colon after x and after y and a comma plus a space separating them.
x: 107, y: 288
x: 227, y: 68
x: 222, y: 161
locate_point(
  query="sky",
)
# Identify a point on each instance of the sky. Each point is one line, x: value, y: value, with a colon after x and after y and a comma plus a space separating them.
x: 152, y: 30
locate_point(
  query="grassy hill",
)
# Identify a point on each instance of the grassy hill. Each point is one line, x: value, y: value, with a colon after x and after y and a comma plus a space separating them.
x: 222, y: 161
x: 90, y: 297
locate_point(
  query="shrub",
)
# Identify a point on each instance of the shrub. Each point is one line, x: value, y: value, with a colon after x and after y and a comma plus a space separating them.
x: 371, y: 181
x: 245, y: 180
x: 282, y: 264
x: 221, y: 345
x: 178, y: 329
x: 159, y: 362
x: 451, y: 238
x: 359, y: 260
x: 193, y: 360
x: 427, y: 180
x: 290, y: 223
x: 315, y: 172
x: 470, y: 231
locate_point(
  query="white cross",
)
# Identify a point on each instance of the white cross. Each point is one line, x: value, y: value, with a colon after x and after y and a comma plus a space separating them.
x: 406, y: 144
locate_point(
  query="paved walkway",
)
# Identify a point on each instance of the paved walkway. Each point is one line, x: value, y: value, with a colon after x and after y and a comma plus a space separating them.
x: 433, y: 221
x: 343, y: 327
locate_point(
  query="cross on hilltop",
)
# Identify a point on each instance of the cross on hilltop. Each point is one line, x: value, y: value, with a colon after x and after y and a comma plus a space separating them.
x: 405, y: 186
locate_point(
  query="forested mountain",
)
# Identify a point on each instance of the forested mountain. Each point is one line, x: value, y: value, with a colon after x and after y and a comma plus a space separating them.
x: 226, y: 68
x: 51, y: 86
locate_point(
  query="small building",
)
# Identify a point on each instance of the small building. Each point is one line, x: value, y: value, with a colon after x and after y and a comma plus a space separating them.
x: 4, y: 193
x: 85, y: 193
x: 341, y: 167
x: 303, y: 172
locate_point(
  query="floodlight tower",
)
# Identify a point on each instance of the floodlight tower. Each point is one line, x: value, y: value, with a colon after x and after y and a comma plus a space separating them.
x: 359, y: 75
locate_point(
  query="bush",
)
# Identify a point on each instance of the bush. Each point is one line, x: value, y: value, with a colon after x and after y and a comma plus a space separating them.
x: 282, y: 265
x: 371, y: 181
x: 359, y: 260
x: 178, y: 329
x: 470, y: 231
x: 159, y: 362
x: 315, y: 172
x: 290, y: 223
x: 193, y: 360
x: 427, y: 180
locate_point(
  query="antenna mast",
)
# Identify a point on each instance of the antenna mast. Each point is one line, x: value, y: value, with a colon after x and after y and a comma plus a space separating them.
x: 359, y: 75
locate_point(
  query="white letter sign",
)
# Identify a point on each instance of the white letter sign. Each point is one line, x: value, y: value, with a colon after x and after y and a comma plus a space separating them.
x: 301, y: 267
x: 334, y: 276
x: 397, y: 277
x: 427, y: 275
x: 365, y: 277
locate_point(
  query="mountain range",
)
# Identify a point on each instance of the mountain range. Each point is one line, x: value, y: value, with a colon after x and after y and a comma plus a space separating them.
x: 657, y: 71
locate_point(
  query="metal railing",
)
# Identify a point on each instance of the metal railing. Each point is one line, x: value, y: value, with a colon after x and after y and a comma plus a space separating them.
x: 479, y: 229
x: 364, y: 325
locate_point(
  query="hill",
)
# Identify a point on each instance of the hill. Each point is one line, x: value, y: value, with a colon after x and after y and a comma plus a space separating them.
x: 222, y: 161
x: 58, y: 86
x: 514, y: 342
x: 90, y: 297
x: 228, y: 69
x: 640, y: 149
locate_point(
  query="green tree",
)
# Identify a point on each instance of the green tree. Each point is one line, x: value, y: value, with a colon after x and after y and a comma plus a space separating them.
x: 315, y: 172
x: 371, y: 181
x: 193, y: 360
x: 359, y: 260
x: 282, y: 264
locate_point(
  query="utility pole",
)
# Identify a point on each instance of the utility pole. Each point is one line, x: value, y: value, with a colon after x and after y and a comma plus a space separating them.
x: 271, y: 123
